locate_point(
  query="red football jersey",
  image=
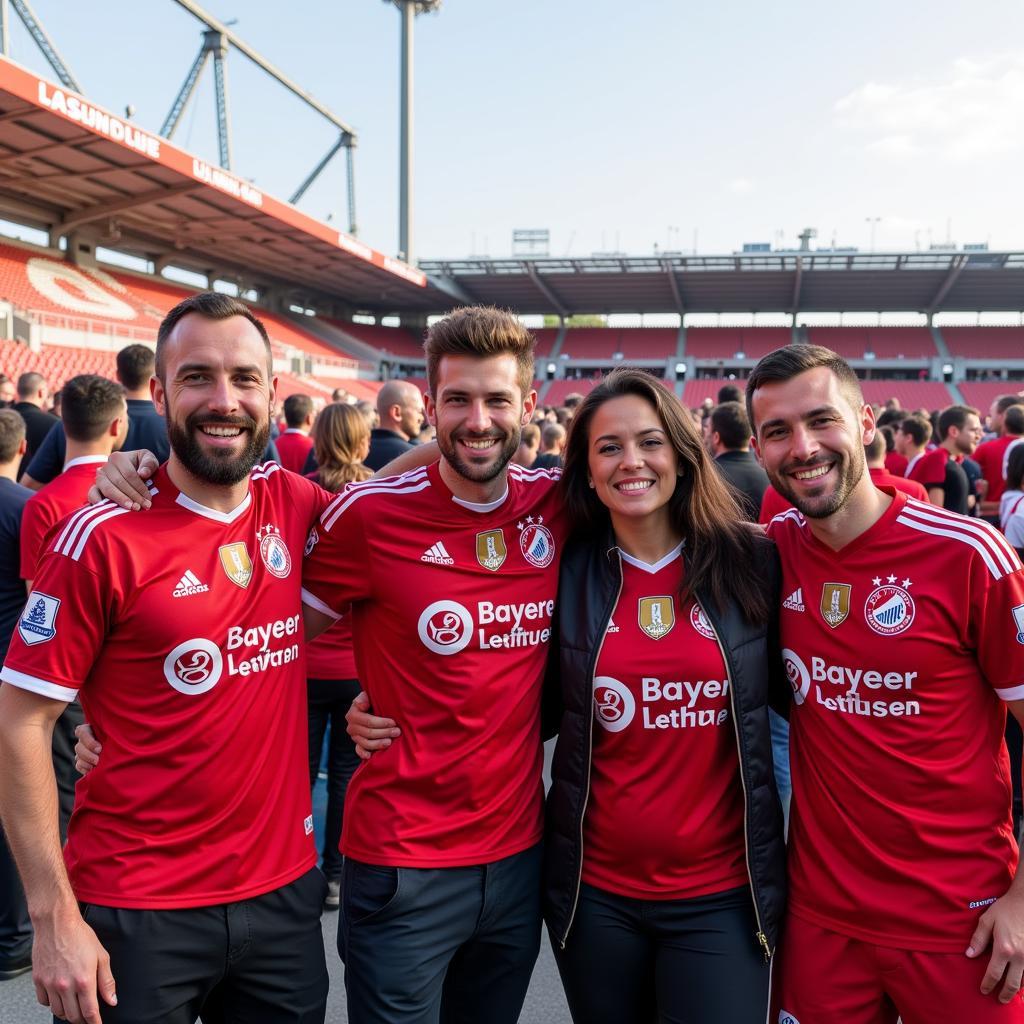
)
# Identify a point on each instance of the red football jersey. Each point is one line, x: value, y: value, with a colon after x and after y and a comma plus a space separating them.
x: 665, y: 815
x: 992, y: 456
x: 911, y: 488
x: 49, y: 505
x: 896, y: 464
x: 772, y: 504
x: 293, y: 448
x: 180, y: 629
x: 451, y: 610
x: 899, y: 649
x: 929, y: 468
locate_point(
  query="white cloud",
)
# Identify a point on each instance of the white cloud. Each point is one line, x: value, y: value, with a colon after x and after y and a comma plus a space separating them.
x: 741, y: 186
x: 974, y: 111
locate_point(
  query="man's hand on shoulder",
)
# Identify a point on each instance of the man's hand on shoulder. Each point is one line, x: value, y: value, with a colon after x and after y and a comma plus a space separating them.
x: 122, y: 479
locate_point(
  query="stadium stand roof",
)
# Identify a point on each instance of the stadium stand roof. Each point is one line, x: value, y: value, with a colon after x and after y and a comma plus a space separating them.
x: 65, y: 163
x: 929, y: 282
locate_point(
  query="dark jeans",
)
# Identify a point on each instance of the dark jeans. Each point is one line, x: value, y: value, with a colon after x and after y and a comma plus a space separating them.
x: 329, y: 699
x: 429, y: 945
x: 258, y: 961
x: 696, y: 961
x: 15, y: 926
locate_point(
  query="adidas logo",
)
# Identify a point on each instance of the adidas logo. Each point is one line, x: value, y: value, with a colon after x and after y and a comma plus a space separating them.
x: 612, y: 628
x: 437, y: 555
x: 188, y: 585
x: 795, y: 601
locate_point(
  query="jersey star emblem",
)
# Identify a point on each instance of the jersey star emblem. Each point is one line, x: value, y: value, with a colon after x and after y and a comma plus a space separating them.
x: 877, y: 581
x: 890, y: 579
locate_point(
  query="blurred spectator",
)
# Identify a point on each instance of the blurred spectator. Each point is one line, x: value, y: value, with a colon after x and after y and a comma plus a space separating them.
x: 57, y: 399
x: 959, y: 434
x: 146, y: 427
x: 552, y: 441
x: 729, y: 393
x: 400, y: 408
x: 529, y: 445
x: 874, y: 453
x: 15, y: 926
x: 729, y: 443
x: 369, y: 412
x: 341, y: 437
x: 8, y: 392
x: 295, y: 444
x: 33, y: 395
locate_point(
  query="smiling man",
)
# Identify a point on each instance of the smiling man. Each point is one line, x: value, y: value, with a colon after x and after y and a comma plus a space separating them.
x: 451, y: 570
x: 904, y: 651
x: 188, y: 879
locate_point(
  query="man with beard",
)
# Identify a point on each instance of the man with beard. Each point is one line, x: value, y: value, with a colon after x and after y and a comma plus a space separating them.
x: 188, y: 883
x: 904, y: 648
x: 451, y: 570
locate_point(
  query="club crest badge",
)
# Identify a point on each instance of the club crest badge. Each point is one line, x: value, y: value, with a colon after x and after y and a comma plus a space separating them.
x: 274, y: 551
x: 889, y: 609
x: 835, y: 603
x: 657, y: 616
x: 1018, y: 619
x: 700, y: 622
x: 536, y: 542
x: 37, y: 622
x: 490, y: 549
x: 236, y: 563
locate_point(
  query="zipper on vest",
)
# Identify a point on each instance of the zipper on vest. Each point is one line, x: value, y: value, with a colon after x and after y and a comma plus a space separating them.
x: 762, y: 939
x: 590, y: 750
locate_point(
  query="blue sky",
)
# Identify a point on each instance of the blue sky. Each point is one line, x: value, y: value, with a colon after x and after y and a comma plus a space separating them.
x: 613, y: 125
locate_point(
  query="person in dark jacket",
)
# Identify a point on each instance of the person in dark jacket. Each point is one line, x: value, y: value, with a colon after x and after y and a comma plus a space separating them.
x: 33, y: 395
x: 664, y: 849
x: 729, y: 441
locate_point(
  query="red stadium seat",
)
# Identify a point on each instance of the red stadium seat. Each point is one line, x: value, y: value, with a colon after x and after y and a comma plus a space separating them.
x: 985, y: 342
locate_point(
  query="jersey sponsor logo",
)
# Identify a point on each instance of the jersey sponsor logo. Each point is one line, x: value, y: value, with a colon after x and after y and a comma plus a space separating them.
x: 835, y: 603
x: 889, y: 609
x: 307, y: 824
x: 795, y: 601
x: 194, y: 667
x: 38, y: 621
x: 797, y: 674
x: 978, y: 904
x: 785, y: 1017
x: 274, y: 552
x: 490, y: 549
x: 236, y: 563
x: 445, y: 627
x: 614, y: 705
x: 188, y: 585
x: 311, y: 542
x: 437, y: 554
x: 1018, y: 618
x: 701, y: 623
x: 656, y: 615
x: 536, y: 542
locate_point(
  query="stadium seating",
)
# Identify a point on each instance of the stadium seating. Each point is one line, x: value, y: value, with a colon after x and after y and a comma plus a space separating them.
x: 982, y: 393
x: 632, y: 343
x: 882, y: 342
x: 546, y: 337
x: 556, y: 393
x: 985, y: 342
x: 725, y: 342
x: 393, y: 341
x: 911, y: 394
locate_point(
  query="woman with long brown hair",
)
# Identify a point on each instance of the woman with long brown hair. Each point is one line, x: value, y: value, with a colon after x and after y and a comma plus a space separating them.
x: 341, y: 440
x: 664, y: 878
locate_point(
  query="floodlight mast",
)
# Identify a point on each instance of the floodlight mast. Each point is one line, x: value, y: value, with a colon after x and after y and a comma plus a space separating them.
x: 408, y: 9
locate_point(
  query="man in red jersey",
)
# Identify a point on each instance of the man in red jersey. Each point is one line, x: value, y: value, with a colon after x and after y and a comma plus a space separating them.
x: 904, y: 895
x: 451, y: 572
x: 925, y: 465
x: 95, y: 422
x: 295, y: 444
x: 1006, y: 418
x: 189, y: 873
x: 874, y: 454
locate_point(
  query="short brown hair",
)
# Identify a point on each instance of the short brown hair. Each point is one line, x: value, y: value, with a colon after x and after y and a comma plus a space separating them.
x: 790, y: 361
x: 701, y: 509
x: 1004, y: 402
x: 918, y: 429
x: 214, y: 306
x: 90, y: 404
x: 12, y: 433
x: 954, y: 416
x: 482, y: 332
x: 135, y: 365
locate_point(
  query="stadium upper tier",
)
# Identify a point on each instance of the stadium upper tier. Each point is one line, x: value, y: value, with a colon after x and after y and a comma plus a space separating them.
x: 911, y: 395
x: 985, y: 342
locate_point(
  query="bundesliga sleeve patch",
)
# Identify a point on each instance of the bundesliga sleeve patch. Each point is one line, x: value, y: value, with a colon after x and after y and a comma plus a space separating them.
x: 37, y: 623
x: 1018, y: 618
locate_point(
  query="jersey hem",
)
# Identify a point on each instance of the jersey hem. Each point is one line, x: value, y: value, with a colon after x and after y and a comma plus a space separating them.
x: 917, y: 944
x: 635, y: 893
x: 464, y: 861
x: 105, y: 899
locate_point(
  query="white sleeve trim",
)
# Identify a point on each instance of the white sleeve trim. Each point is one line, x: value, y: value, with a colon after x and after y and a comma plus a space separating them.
x: 1012, y: 693
x: 315, y: 602
x: 41, y: 686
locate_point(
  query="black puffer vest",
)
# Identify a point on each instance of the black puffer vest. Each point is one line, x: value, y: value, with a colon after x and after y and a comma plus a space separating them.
x: 589, y: 584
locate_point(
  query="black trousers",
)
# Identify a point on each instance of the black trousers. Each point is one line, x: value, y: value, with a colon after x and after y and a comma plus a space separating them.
x: 15, y: 926
x: 257, y: 961
x: 449, y: 945
x: 696, y: 961
x: 329, y: 699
